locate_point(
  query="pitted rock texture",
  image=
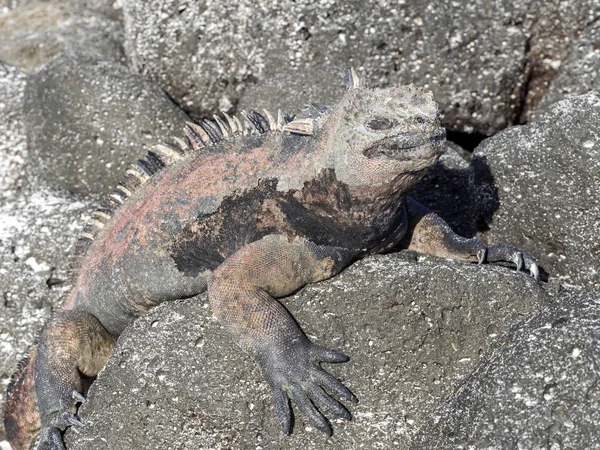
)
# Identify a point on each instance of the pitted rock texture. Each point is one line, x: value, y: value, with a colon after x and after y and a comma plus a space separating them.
x: 580, y: 72
x: 176, y: 380
x: 487, y: 65
x: 32, y: 35
x: 87, y: 120
x: 537, y: 187
x: 294, y: 89
x: 540, y: 389
x: 13, y: 141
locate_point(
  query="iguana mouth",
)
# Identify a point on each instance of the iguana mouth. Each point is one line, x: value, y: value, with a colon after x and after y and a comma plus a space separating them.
x: 407, y: 146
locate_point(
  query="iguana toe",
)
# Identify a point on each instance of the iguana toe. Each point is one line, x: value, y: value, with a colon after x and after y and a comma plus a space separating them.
x: 68, y: 419
x: 303, y: 402
x: 325, y: 403
x: 51, y: 439
x: 282, y: 410
x: 333, y: 385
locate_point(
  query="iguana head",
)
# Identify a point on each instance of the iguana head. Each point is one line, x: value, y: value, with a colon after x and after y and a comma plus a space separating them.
x: 379, y: 137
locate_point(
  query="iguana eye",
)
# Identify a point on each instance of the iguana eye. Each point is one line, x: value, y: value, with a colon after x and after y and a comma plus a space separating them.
x: 380, y: 123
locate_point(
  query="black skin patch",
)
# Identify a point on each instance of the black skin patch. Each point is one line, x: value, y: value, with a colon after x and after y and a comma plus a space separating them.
x: 323, y: 212
x: 326, y: 214
x: 211, y: 238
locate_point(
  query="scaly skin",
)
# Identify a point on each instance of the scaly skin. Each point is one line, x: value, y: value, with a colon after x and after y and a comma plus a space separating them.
x: 252, y: 218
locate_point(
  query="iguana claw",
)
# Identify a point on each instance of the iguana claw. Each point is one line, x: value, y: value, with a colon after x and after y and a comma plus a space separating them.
x: 78, y: 397
x: 481, y: 254
x: 508, y: 253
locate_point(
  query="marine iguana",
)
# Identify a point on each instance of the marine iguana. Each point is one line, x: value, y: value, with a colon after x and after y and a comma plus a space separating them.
x: 251, y: 211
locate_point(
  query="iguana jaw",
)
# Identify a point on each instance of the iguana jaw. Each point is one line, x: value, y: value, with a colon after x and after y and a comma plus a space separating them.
x: 409, y: 146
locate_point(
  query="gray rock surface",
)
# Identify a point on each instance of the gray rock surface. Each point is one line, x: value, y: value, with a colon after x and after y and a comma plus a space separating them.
x: 88, y: 119
x: 485, y: 64
x: 13, y: 136
x: 293, y: 89
x: 539, y: 185
x: 31, y: 36
x: 540, y: 389
x: 412, y: 329
x: 112, y: 9
x: 580, y: 72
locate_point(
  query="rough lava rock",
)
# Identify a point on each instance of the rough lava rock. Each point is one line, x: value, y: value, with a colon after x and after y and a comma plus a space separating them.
x: 538, y: 184
x: 412, y: 329
x: 485, y: 65
x: 540, y: 389
x: 580, y: 72
x: 294, y: 89
x: 88, y: 119
x: 32, y: 35
x: 113, y: 9
x: 13, y: 136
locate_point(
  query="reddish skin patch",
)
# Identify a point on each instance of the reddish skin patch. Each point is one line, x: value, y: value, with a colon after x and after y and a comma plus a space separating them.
x: 22, y: 420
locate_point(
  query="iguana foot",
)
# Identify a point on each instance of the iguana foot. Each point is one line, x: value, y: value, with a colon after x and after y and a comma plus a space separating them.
x: 51, y: 436
x: 508, y: 253
x: 294, y: 374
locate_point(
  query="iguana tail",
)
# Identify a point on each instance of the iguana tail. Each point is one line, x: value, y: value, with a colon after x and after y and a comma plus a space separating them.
x: 21, y: 417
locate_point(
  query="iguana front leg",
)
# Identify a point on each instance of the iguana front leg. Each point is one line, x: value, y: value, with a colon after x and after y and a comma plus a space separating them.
x: 72, y: 343
x: 242, y: 292
x: 429, y: 234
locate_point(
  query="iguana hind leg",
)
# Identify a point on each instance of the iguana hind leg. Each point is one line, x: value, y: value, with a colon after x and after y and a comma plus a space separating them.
x: 242, y: 292
x: 429, y: 234
x: 71, y: 344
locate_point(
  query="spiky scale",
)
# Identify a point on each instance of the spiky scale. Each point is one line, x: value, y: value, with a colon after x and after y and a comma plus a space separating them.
x: 199, y: 132
x: 352, y: 81
x: 238, y: 124
x: 194, y: 140
x: 270, y: 120
x: 280, y: 120
x: 119, y: 197
x: 147, y: 167
x: 97, y: 223
x: 167, y: 153
x: 232, y: 123
x: 249, y: 127
x: 300, y: 126
x: 259, y: 122
x: 139, y: 173
x: 212, y: 131
x: 155, y: 161
x: 123, y: 190
x: 101, y: 215
x: 222, y: 126
x: 183, y: 146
